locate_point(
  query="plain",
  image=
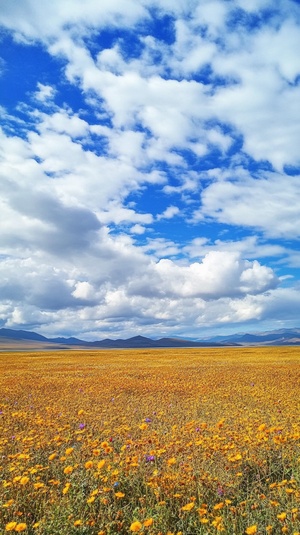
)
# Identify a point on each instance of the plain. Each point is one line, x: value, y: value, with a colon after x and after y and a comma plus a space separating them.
x: 175, y: 441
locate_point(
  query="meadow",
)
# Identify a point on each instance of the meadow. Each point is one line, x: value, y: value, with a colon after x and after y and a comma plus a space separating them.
x: 155, y: 442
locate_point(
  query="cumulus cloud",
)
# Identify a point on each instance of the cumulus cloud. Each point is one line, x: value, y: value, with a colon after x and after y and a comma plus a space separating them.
x: 169, y: 213
x: 266, y: 204
x: 219, y: 274
x: 197, y: 124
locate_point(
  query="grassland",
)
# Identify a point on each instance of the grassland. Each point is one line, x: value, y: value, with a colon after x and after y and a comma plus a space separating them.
x: 162, y: 442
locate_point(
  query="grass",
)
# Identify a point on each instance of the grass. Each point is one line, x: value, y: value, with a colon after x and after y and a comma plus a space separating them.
x: 194, y: 441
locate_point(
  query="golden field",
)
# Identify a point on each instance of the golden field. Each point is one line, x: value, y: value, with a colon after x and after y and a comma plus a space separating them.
x: 157, y: 442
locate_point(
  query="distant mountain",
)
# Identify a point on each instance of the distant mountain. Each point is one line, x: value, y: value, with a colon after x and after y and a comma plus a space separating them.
x: 11, y: 338
x: 277, y: 337
x: 8, y: 336
x: 22, y: 335
x: 136, y: 342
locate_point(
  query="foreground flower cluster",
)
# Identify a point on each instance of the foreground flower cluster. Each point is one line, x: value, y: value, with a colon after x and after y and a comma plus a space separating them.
x: 156, y: 442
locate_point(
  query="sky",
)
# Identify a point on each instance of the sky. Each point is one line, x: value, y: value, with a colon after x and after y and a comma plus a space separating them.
x: 149, y: 167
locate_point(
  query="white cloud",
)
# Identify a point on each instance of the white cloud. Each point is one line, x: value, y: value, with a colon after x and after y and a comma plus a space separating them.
x: 33, y: 20
x: 114, y: 213
x: 84, y: 290
x: 62, y: 122
x: 137, y: 229
x: 250, y: 247
x: 219, y: 274
x: 267, y: 204
x: 45, y: 93
x: 168, y: 213
x: 66, y: 178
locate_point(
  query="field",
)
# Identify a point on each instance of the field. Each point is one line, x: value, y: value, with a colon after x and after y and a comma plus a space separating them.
x: 194, y: 441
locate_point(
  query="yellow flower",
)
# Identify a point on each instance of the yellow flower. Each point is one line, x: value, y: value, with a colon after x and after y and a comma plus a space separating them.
x: 78, y: 523
x: 66, y: 488
x: 101, y: 464
x: 9, y: 503
x: 69, y: 451
x: 281, y: 516
x: 38, y: 485
x: 52, y: 456
x: 148, y: 522
x: 68, y: 470
x: 91, y: 499
x: 136, y: 526
x: 88, y: 465
x: 119, y: 494
x: 20, y: 527
x: 24, y: 480
x: 10, y: 526
x: 171, y: 461
x: 188, y: 506
x: 218, y: 506
x: 251, y: 530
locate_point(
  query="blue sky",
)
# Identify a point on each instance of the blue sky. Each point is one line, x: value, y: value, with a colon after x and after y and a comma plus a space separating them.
x: 149, y: 170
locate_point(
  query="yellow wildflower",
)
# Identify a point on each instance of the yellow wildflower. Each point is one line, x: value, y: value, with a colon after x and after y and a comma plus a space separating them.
x: 251, y: 530
x: 21, y: 527
x: 148, y: 522
x: 188, y: 506
x: 136, y: 526
x: 68, y: 470
x: 218, y: 506
x: 10, y: 526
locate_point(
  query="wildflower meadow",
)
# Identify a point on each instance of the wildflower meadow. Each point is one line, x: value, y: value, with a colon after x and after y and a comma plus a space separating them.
x: 155, y: 442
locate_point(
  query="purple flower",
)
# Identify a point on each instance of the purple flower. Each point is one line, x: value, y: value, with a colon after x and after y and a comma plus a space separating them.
x: 148, y: 420
x: 81, y: 426
x: 150, y: 458
x: 220, y: 491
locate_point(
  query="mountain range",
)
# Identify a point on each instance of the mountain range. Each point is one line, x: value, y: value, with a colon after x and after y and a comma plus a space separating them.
x: 19, y: 339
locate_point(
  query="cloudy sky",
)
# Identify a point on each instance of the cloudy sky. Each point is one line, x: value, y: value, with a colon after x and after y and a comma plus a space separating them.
x: 149, y: 166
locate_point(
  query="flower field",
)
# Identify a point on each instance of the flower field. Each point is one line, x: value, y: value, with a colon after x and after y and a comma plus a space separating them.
x: 157, y: 442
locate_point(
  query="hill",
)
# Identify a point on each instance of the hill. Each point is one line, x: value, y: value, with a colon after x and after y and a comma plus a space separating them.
x: 11, y: 339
